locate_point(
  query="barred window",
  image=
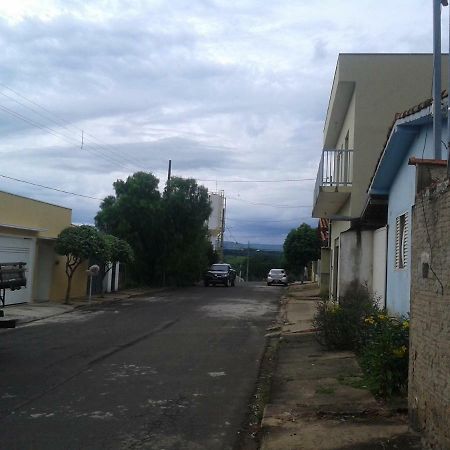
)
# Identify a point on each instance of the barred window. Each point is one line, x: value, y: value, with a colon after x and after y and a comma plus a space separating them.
x: 401, y: 241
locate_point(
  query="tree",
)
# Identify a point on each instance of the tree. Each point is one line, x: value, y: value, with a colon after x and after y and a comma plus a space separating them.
x: 167, y: 232
x: 186, y: 243
x: 301, y: 246
x: 135, y: 215
x: 116, y: 250
x: 78, y: 244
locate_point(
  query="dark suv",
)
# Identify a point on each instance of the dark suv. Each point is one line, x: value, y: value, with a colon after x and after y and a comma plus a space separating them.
x: 220, y: 274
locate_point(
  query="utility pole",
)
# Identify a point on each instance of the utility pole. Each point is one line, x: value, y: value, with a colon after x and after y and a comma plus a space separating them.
x: 222, y: 225
x: 248, y: 257
x: 169, y: 172
x: 445, y: 3
x: 437, y: 88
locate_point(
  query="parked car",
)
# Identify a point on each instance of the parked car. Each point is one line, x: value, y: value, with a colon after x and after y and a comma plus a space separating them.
x: 220, y: 274
x: 277, y: 276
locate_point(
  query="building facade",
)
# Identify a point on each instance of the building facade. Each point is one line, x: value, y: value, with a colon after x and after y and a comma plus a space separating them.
x: 28, y: 231
x: 367, y: 91
x: 394, y: 180
x: 216, y: 222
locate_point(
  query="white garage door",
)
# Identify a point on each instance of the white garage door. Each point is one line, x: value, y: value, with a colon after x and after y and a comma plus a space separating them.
x: 14, y: 249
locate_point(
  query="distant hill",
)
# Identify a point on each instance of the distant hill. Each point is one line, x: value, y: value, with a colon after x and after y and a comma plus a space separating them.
x: 229, y: 245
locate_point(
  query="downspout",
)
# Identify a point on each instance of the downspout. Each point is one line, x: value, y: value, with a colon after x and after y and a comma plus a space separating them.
x: 386, y: 267
x: 445, y: 3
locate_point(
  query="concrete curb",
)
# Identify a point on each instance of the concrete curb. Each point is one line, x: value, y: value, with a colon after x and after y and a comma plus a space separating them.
x: 20, y: 321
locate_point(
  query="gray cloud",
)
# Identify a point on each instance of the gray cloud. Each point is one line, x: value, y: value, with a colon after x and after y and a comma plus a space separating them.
x: 226, y: 89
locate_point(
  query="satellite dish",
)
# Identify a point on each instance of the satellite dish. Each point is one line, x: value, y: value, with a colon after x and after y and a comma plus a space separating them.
x: 93, y: 270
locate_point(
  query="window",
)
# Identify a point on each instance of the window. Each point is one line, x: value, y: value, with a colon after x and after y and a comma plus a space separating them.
x: 401, y: 241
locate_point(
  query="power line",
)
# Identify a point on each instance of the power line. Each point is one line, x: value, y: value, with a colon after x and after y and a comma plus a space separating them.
x: 57, y: 134
x: 264, y: 220
x: 50, y: 188
x: 231, y: 234
x: 115, y: 157
x: 293, y: 180
x: 273, y: 205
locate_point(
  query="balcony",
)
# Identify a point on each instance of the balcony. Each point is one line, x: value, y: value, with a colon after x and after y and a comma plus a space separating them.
x: 334, y: 182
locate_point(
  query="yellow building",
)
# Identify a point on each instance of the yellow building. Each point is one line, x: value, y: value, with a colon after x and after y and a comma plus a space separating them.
x: 28, y: 231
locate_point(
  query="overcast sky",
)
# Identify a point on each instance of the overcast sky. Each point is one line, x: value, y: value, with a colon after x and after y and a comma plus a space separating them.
x: 228, y: 90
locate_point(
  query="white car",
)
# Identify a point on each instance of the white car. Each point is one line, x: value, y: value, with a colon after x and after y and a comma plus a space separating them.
x: 277, y: 276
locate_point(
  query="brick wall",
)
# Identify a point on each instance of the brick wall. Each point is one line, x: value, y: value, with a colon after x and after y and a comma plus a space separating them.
x: 429, y: 369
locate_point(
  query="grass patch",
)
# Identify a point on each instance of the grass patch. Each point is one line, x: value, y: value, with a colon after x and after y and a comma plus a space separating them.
x: 353, y: 381
x: 326, y: 390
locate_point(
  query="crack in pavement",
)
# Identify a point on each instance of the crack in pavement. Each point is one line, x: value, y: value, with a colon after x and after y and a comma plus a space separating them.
x: 95, y: 360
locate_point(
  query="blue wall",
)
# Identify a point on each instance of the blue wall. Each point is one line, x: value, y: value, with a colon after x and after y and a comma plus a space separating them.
x: 401, y: 200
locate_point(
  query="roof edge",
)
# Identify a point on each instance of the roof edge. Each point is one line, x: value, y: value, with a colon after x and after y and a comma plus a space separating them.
x: 429, y: 162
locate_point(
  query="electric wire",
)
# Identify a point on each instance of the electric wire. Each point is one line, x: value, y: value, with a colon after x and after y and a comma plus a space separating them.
x: 268, y: 204
x: 117, y: 158
x: 58, y: 135
x: 293, y: 180
x: 295, y: 219
x: 49, y: 187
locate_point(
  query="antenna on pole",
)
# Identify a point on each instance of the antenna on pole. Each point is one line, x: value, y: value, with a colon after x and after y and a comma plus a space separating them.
x: 82, y: 139
x: 169, y: 172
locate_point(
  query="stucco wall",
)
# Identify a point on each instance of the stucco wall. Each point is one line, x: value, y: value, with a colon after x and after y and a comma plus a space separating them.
x: 59, y: 285
x: 335, y: 230
x: 429, y: 365
x: 401, y: 201
x: 324, y: 276
x: 379, y: 266
x: 356, y: 259
x: 22, y: 211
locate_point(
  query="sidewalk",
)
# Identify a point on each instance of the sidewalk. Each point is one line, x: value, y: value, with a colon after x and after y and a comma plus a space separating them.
x: 317, y: 400
x: 30, y: 312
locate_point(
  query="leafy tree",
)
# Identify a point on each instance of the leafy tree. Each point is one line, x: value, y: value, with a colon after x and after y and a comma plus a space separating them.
x: 135, y: 214
x: 167, y: 232
x: 78, y: 244
x: 301, y: 246
x: 186, y: 244
x: 260, y: 262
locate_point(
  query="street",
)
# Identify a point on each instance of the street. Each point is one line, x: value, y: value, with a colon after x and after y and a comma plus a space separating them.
x: 174, y: 371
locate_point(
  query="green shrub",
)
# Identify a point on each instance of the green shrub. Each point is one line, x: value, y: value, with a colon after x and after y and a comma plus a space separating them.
x: 381, y: 342
x: 384, y: 354
x: 339, y: 325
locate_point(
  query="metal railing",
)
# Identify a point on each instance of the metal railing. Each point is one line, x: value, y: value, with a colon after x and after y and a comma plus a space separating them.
x: 335, y: 169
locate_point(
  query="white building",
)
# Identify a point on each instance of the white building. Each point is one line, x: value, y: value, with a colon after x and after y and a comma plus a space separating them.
x: 216, y: 222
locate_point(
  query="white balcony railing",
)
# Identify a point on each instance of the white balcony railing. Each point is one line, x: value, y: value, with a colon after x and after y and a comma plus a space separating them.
x: 335, y: 170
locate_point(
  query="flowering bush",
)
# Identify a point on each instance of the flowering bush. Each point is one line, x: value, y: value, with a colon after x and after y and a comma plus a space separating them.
x: 384, y: 354
x: 381, y: 342
x: 339, y: 324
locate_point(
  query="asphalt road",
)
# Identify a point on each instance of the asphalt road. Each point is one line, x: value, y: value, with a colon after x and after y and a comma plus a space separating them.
x: 174, y: 371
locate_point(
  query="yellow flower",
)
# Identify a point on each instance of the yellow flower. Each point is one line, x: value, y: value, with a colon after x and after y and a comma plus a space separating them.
x: 400, y: 352
x: 405, y: 324
x: 382, y: 316
x: 369, y: 320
